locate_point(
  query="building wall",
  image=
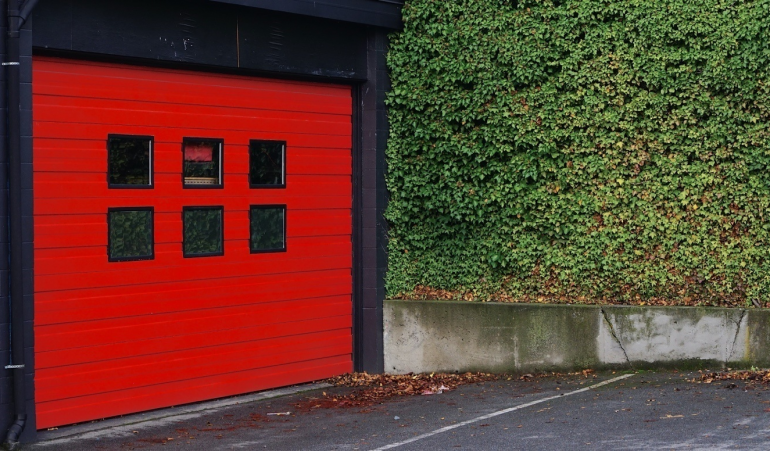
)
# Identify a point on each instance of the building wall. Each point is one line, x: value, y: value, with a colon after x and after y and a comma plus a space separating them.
x: 228, y: 39
x: 214, y: 36
x: 380, y: 13
x: 374, y: 196
x: 6, y: 394
x: 28, y: 227
x: 6, y: 382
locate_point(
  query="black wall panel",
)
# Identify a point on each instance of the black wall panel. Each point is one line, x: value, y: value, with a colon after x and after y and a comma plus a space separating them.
x: 6, y: 393
x: 163, y: 30
x: 380, y: 13
x: 371, y: 197
x: 204, y: 33
x: 277, y: 42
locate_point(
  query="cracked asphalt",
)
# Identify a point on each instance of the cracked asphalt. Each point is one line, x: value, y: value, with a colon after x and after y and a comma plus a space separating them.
x: 648, y: 410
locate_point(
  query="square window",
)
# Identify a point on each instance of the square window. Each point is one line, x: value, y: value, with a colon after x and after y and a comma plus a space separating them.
x: 202, y: 162
x: 129, y: 161
x: 267, y: 164
x: 130, y: 234
x: 268, y: 228
x: 203, y: 229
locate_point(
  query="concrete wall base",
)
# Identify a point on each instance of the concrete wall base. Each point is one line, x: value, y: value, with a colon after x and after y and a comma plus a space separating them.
x: 426, y: 336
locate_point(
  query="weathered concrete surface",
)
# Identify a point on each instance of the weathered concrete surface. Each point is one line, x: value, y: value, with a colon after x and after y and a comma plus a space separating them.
x: 648, y: 411
x: 425, y: 336
x: 666, y: 334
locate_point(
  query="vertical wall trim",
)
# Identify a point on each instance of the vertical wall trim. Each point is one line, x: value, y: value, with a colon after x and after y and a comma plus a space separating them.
x: 6, y: 394
x: 18, y: 225
x: 27, y: 213
x: 356, y: 238
x: 373, y: 195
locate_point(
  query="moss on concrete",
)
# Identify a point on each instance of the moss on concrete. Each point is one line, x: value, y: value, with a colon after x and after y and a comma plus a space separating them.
x: 424, y: 336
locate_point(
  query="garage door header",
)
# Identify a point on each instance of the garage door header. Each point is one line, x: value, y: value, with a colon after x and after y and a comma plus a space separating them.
x: 205, y: 33
x: 380, y: 13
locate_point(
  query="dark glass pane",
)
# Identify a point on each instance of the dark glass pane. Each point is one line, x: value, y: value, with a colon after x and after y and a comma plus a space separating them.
x: 130, y: 234
x: 267, y: 228
x: 267, y: 162
x: 129, y: 160
x: 203, y: 231
x: 202, y: 159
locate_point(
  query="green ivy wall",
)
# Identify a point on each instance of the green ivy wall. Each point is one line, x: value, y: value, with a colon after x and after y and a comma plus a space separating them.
x: 589, y: 151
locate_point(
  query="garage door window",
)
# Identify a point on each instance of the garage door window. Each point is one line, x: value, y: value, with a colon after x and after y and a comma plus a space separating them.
x: 129, y: 161
x: 267, y: 164
x: 203, y: 231
x: 130, y: 233
x: 268, y: 228
x: 202, y: 162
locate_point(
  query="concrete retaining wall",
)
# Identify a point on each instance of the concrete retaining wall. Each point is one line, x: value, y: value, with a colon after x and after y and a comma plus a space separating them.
x: 425, y: 336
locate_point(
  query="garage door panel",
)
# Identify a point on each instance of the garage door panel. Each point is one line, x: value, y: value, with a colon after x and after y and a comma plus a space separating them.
x: 102, y: 111
x: 167, y: 255
x: 104, y: 276
x: 117, y: 74
x: 195, y: 125
x: 120, y: 337
x: 90, y: 157
x: 95, y: 294
x: 253, y: 298
x: 292, y: 123
x: 331, y: 290
x: 116, y: 330
x: 65, y: 358
x: 142, y: 275
x: 75, y: 131
x: 76, y: 410
x: 54, y: 85
x: 105, y: 303
x: 163, y: 205
x: 134, y: 272
x: 122, y: 374
x: 91, y: 230
x: 121, y: 331
x: 170, y: 149
x: 53, y: 185
x: 153, y: 369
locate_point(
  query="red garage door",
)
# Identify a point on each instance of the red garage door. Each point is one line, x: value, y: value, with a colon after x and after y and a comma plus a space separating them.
x: 192, y: 236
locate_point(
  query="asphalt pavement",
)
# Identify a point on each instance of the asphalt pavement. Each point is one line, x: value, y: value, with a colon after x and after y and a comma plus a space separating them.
x: 618, y: 411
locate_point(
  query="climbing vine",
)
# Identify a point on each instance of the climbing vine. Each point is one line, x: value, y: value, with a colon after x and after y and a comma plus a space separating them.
x: 594, y: 150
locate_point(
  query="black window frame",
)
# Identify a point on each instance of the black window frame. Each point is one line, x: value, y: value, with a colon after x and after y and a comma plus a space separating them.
x: 285, y: 228
x: 151, y: 256
x: 221, y: 209
x: 284, y: 164
x: 221, y: 143
x: 110, y: 185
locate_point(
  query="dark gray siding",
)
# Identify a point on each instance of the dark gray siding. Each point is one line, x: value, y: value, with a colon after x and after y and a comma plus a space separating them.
x: 380, y: 13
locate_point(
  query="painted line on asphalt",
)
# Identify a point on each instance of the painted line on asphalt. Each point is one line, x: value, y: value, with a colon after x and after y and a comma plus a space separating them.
x: 501, y: 412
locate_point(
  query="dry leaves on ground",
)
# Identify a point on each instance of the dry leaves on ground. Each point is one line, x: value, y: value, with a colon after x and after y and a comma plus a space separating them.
x: 422, y: 292
x: 749, y: 376
x: 375, y: 388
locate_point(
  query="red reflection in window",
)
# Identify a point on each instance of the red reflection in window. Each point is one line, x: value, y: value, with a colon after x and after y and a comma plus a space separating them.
x: 200, y: 152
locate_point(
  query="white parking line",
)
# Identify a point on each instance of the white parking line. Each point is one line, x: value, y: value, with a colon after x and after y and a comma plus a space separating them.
x: 500, y: 412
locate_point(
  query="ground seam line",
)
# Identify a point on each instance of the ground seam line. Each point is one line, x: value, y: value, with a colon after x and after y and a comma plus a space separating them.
x: 500, y: 412
x: 168, y: 413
